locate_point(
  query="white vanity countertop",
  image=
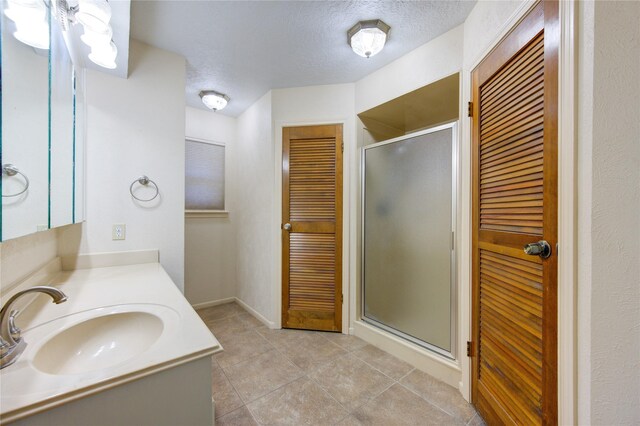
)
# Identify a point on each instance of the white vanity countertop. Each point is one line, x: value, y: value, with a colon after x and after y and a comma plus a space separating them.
x: 145, y: 288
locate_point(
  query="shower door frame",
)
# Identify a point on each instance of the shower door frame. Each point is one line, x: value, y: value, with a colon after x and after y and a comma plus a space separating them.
x: 450, y: 355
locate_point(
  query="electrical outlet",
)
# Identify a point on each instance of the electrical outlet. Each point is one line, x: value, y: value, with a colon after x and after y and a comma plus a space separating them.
x: 119, y: 231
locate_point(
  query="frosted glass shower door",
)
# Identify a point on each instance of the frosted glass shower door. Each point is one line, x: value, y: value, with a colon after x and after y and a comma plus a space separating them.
x: 408, y: 219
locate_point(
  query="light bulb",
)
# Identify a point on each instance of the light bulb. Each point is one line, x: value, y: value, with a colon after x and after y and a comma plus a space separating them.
x: 104, y: 55
x: 93, y: 38
x: 27, y: 11
x: 29, y: 16
x: 33, y: 34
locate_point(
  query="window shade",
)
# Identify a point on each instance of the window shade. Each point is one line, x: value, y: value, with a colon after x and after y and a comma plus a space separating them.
x: 204, y: 176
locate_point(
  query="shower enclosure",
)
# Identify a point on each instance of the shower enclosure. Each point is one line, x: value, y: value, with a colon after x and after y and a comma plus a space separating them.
x: 408, y: 224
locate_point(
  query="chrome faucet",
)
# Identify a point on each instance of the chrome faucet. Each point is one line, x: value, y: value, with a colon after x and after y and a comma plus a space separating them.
x: 11, y: 343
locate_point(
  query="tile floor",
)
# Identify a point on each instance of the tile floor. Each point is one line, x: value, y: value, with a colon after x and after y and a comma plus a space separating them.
x: 294, y: 377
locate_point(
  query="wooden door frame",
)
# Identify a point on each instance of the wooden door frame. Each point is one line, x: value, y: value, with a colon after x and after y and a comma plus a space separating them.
x: 567, y: 207
x: 347, y: 155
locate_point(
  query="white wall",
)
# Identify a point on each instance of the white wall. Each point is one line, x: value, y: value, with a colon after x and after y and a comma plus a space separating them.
x: 254, y: 206
x: 210, y: 242
x: 135, y: 126
x: 22, y: 256
x: 609, y: 223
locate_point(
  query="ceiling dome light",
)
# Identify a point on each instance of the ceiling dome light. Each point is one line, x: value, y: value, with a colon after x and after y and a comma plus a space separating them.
x: 367, y: 38
x: 94, y: 15
x: 214, y: 100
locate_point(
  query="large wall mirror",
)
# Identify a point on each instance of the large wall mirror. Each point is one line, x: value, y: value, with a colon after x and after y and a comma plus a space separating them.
x: 42, y: 116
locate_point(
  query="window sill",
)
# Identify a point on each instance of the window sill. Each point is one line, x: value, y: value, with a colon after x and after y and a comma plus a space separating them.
x: 197, y: 214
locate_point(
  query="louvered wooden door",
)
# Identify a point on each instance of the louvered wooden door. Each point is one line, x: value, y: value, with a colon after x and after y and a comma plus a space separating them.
x: 312, y: 227
x: 514, y: 171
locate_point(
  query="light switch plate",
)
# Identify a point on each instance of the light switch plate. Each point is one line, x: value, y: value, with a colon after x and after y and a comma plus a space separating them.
x: 119, y: 231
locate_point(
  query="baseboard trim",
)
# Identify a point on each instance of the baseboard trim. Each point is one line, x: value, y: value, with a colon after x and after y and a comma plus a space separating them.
x: 213, y: 303
x: 256, y: 314
x: 240, y: 302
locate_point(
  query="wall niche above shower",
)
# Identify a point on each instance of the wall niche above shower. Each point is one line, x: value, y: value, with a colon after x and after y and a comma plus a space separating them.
x: 428, y: 106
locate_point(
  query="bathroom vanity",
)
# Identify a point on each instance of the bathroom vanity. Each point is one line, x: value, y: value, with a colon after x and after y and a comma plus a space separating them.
x: 126, y: 348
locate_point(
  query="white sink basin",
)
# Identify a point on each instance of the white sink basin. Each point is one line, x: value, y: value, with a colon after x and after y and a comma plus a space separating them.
x: 99, y: 342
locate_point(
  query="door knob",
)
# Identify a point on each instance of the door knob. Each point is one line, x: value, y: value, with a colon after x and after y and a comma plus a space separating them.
x: 541, y: 248
x: 286, y: 227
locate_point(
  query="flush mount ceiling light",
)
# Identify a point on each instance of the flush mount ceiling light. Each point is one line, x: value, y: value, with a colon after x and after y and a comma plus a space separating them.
x: 214, y: 100
x: 367, y: 38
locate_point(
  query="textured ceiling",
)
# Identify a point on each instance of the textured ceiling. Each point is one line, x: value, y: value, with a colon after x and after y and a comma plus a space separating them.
x: 246, y: 48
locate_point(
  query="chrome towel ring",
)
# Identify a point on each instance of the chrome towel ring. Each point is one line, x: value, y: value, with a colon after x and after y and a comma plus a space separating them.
x: 11, y: 170
x: 144, y: 181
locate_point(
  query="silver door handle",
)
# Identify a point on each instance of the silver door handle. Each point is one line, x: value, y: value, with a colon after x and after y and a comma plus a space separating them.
x: 286, y: 227
x: 541, y: 248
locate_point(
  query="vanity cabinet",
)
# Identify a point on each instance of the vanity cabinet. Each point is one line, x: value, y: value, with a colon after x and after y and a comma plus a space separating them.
x: 126, y: 348
x: 177, y: 396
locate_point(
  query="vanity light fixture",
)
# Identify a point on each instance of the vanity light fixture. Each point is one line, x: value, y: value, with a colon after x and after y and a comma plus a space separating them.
x: 30, y: 17
x: 367, y: 38
x: 94, y: 16
x: 214, y: 100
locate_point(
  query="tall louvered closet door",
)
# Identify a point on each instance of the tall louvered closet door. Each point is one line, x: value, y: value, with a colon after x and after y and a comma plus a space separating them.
x: 514, y: 171
x: 312, y: 227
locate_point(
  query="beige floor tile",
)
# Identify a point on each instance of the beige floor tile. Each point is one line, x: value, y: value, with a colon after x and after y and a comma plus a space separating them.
x: 261, y: 374
x: 399, y: 406
x: 440, y: 394
x: 225, y: 397
x: 220, y: 311
x: 301, y: 402
x: 249, y: 320
x: 387, y: 363
x: 233, y: 325
x: 284, y: 337
x: 240, y: 347
x: 239, y: 417
x: 310, y: 351
x: 345, y: 341
x: 350, y: 420
x: 476, y: 421
x: 350, y: 381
